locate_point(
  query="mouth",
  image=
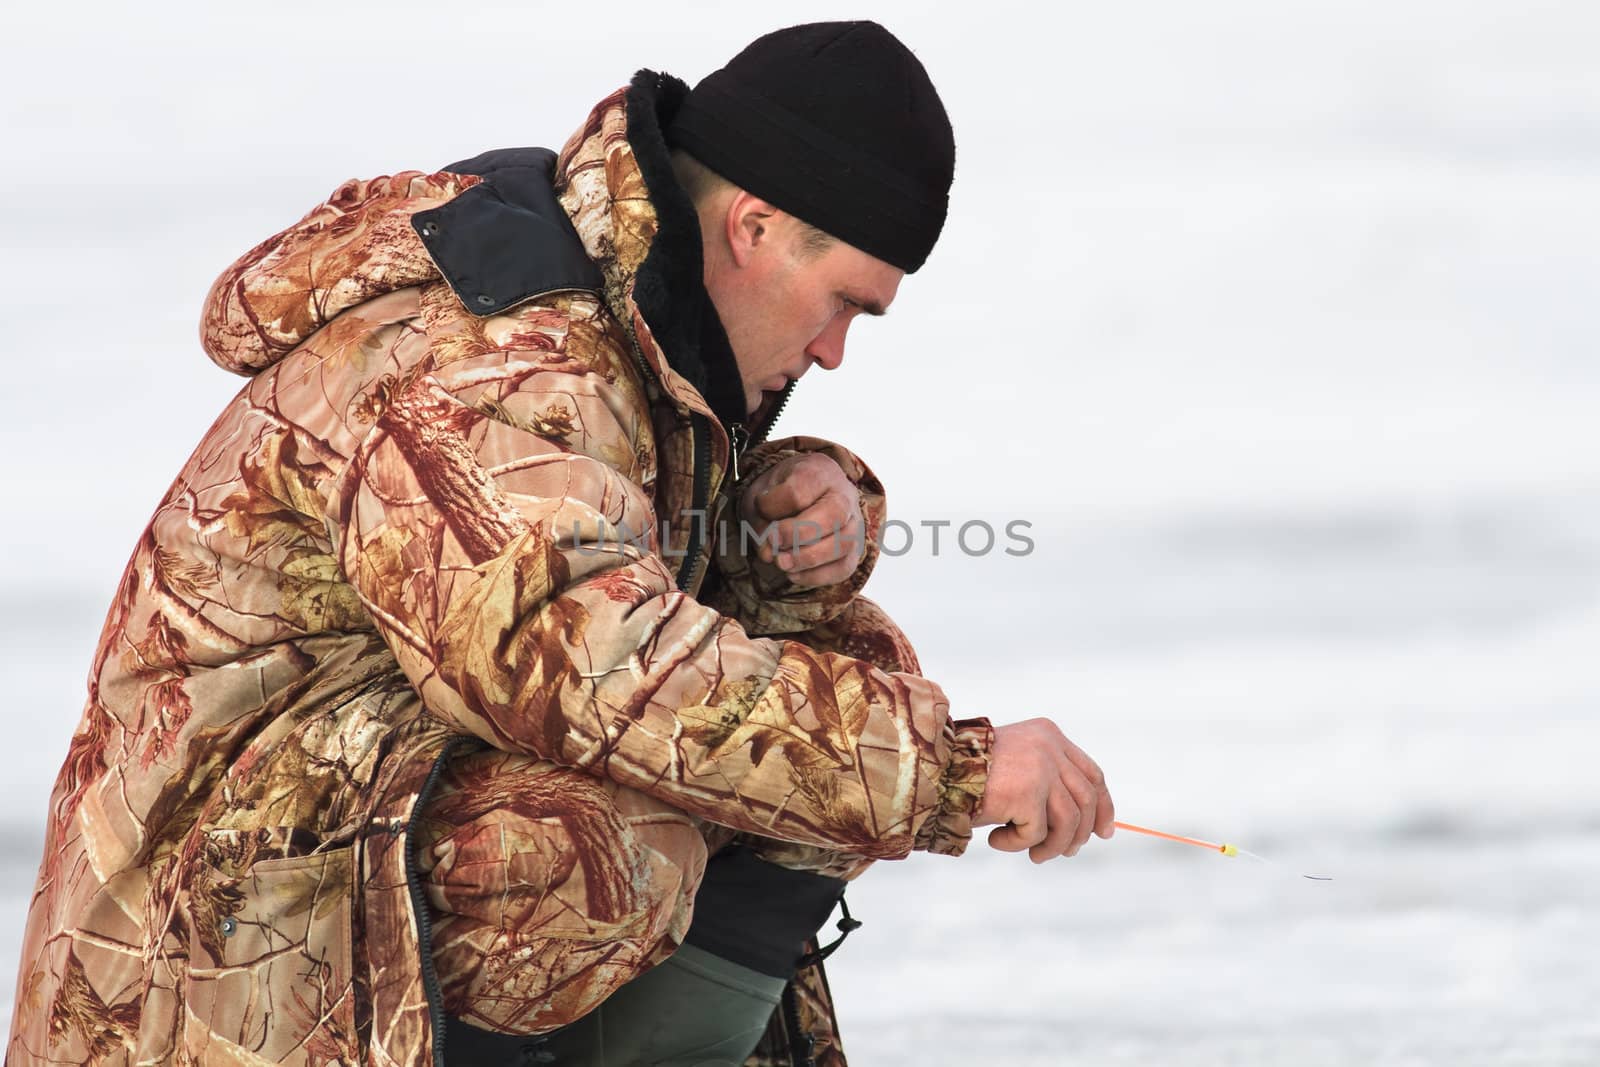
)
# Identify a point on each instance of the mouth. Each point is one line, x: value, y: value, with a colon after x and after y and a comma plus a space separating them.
x: 783, y: 381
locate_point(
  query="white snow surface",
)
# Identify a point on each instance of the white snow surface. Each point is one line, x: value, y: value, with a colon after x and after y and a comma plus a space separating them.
x: 1276, y: 321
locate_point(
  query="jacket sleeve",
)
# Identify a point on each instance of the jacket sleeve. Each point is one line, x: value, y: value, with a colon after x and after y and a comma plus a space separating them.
x: 760, y: 595
x: 473, y: 523
x: 864, y: 631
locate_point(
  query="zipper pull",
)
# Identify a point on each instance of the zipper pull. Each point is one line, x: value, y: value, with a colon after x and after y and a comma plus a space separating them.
x: 738, y: 438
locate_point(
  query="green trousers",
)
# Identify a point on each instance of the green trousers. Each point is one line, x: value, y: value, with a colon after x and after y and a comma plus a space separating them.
x: 694, y: 1010
x: 709, y: 1003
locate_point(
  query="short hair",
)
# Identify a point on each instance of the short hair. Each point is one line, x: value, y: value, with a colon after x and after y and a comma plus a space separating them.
x: 702, y: 183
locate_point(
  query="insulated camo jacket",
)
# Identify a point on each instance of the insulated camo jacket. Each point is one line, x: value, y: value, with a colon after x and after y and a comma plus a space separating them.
x: 389, y: 550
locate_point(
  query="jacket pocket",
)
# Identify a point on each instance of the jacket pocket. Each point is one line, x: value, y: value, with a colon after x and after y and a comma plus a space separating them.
x: 270, y: 974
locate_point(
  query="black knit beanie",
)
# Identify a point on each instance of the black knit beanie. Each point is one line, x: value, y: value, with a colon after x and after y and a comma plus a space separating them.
x: 837, y: 124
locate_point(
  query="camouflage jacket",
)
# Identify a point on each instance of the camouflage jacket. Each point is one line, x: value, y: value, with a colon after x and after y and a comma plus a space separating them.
x: 385, y: 549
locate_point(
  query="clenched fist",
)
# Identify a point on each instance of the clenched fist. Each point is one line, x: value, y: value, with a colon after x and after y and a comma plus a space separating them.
x: 805, y: 518
x: 1049, y: 794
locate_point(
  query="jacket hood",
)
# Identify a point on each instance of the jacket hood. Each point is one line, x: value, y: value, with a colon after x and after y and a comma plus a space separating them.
x: 614, y: 180
x: 358, y: 245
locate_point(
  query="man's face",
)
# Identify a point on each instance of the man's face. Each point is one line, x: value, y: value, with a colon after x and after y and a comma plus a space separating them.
x: 787, y: 307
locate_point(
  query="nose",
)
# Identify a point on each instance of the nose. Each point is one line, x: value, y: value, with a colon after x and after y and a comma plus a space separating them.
x: 827, y: 348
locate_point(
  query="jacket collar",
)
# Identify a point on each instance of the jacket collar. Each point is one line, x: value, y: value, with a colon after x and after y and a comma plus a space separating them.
x: 614, y: 178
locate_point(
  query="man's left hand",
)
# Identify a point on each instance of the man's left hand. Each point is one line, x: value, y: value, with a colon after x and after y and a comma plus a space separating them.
x: 805, y: 518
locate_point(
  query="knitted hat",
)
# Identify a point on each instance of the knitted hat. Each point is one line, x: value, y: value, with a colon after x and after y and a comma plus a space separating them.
x: 837, y: 124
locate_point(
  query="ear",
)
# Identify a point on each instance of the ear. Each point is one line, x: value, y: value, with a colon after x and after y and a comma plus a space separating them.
x: 747, y: 226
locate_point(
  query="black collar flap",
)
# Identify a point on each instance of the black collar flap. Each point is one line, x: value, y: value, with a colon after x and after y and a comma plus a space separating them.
x: 506, y: 240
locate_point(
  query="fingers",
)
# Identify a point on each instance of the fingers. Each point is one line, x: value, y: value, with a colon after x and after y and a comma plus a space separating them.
x: 1105, y: 812
x: 1065, y: 819
x: 1019, y: 836
x: 821, y: 546
x: 829, y: 530
x: 795, y: 485
x: 1084, y: 800
x: 807, y: 518
x: 805, y: 533
x: 788, y: 497
x: 1007, y: 838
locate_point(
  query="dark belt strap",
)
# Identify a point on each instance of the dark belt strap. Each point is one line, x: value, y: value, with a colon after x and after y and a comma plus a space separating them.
x: 466, y: 1045
x: 757, y: 914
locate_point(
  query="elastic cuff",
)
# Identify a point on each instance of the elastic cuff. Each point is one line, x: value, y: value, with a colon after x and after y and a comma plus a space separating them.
x: 961, y: 787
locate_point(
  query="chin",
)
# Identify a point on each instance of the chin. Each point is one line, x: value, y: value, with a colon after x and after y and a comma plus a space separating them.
x: 761, y: 401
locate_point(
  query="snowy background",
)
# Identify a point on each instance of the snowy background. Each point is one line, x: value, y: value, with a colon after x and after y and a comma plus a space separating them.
x: 1278, y: 322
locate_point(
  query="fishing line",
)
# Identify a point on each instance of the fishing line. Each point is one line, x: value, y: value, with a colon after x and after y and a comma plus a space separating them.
x: 1224, y: 848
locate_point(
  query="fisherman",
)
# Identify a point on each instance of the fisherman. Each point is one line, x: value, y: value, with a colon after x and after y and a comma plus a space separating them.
x: 479, y: 692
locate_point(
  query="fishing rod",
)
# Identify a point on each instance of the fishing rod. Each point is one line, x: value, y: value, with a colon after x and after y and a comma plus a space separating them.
x: 1224, y: 848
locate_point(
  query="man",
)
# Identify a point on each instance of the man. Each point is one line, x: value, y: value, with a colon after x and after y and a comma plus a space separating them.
x: 442, y: 716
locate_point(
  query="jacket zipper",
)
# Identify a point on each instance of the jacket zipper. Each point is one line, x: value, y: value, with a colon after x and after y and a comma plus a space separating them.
x: 802, y: 1043
x: 702, y: 494
x: 698, y: 435
x: 419, y: 902
x: 759, y: 434
x: 738, y: 439
x: 741, y: 437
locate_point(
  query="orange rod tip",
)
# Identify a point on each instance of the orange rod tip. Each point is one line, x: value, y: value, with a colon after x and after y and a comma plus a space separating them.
x: 1171, y: 837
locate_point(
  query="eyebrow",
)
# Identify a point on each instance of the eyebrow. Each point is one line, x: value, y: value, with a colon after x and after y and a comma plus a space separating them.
x: 871, y: 307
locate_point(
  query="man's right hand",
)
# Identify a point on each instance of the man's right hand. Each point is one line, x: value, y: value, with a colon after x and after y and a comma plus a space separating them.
x: 1049, y: 794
